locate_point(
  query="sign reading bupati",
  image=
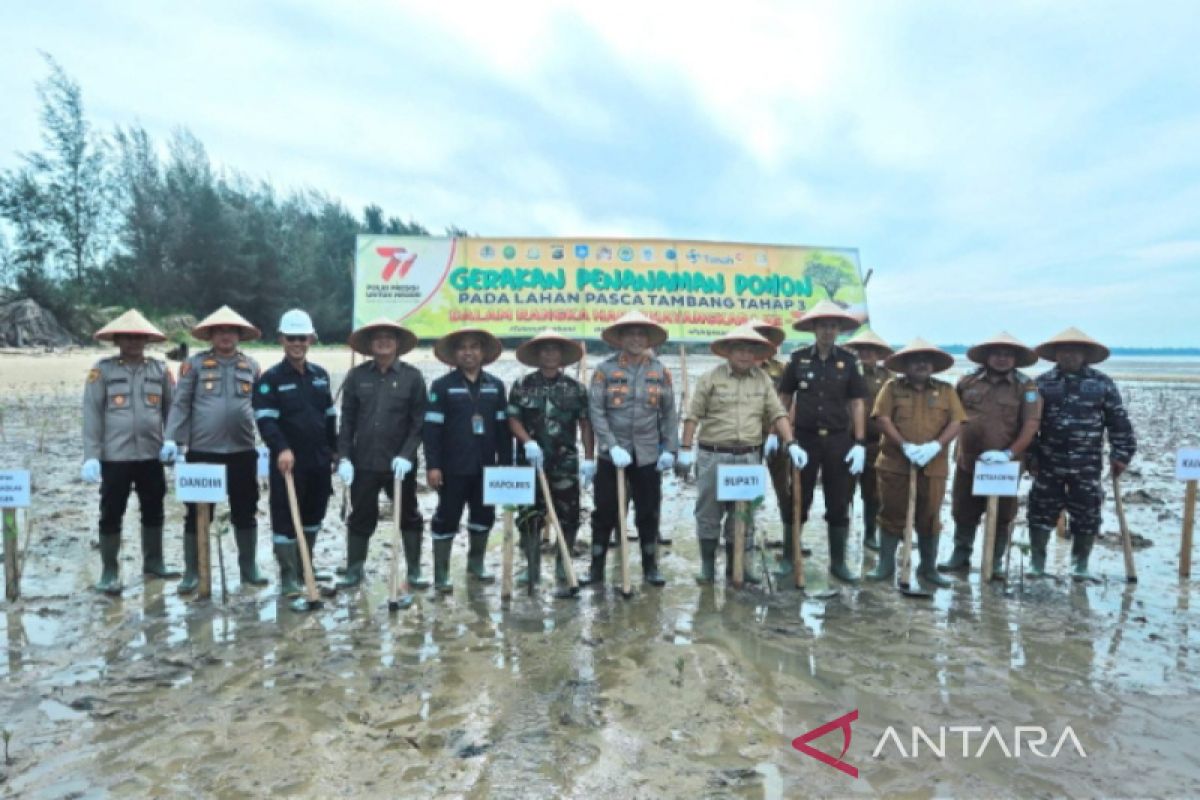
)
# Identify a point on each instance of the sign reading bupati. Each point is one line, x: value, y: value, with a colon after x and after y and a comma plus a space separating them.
x: 508, y: 486
x: 1187, y: 464
x: 200, y: 483
x: 996, y: 480
x: 518, y: 287
x: 741, y: 482
x: 14, y: 488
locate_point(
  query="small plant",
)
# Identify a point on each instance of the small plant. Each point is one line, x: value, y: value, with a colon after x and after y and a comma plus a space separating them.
x: 747, y: 514
x: 679, y: 665
x: 7, y: 734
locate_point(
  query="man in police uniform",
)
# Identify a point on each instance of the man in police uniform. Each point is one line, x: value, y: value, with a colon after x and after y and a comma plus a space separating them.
x: 466, y: 429
x: 734, y: 403
x: 1081, y: 403
x: 383, y: 408
x: 213, y: 417
x: 1003, y: 410
x: 779, y: 465
x: 632, y: 407
x: 871, y: 351
x: 824, y: 385
x: 123, y: 404
x: 298, y: 422
x: 547, y: 410
x: 919, y: 415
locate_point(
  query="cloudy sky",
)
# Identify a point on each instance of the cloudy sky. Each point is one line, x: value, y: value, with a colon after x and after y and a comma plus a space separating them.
x: 1018, y: 165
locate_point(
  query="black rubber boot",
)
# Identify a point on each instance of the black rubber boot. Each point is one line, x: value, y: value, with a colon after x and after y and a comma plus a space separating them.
x: 288, y: 556
x: 838, y: 534
x: 650, y: 572
x: 152, y: 555
x: 999, y: 573
x: 927, y: 547
x: 476, y: 551
x: 784, y: 566
x: 708, y: 562
x: 964, y: 543
x: 885, y: 570
x: 1081, y: 551
x: 247, y: 543
x: 1038, y: 539
x: 870, y: 512
x: 356, y: 561
x: 110, y: 568
x: 191, y: 566
x: 596, y: 574
x: 412, y: 559
x: 531, y: 547
x: 441, y: 565
x: 311, y: 540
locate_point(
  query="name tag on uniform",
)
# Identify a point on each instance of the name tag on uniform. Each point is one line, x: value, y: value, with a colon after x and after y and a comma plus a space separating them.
x: 477, y: 425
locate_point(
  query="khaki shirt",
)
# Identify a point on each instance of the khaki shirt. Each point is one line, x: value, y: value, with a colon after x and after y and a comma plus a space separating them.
x: 734, y: 409
x: 874, y: 377
x: 123, y: 409
x: 632, y: 404
x: 212, y: 411
x: 997, y: 409
x: 920, y: 415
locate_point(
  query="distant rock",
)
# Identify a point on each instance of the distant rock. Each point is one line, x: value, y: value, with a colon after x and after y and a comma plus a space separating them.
x: 24, y: 323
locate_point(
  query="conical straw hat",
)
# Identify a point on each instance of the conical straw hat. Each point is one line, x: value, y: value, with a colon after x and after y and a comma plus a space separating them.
x: 132, y: 323
x: 1025, y: 356
x: 1096, y: 352
x: 443, y: 348
x: 360, y: 340
x: 612, y: 334
x: 774, y: 333
x: 527, y: 352
x: 942, y: 360
x: 225, y: 317
x: 827, y: 309
x: 742, y: 333
x: 869, y: 338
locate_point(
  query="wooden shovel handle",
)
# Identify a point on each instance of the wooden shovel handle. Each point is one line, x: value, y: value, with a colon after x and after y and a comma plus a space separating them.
x: 909, y: 520
x: 563, y: 549
x: 797, y: 526
x: 1126, y: 540
x: 621, y: 514
x: 310, y: 583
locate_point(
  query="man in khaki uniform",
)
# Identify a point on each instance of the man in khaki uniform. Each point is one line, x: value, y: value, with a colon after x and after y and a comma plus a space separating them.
x: 124, y: 405
x: 871, y: 350
x: 732, y: 405
x: 920, y: 416
x: 1003, y: 409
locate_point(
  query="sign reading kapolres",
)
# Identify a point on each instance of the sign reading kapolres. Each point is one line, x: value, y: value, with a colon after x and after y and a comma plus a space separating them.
x: 517, y: 287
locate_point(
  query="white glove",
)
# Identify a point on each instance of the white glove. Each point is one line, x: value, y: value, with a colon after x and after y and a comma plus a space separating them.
x: 169, y: 452
x: 928, y: 452
x: 533, y: 454
x: 90, y: 471
x: 401, y: 466
x: 683, y: 464
x: 346, y: 471
x: 587, y: 471
x: 856, y: 458
x: 620, y: 457
x: 994, y: 457
x: 911, y: 451
x: 771, y: 447
x: 666, y: 461
x: 799, y: 457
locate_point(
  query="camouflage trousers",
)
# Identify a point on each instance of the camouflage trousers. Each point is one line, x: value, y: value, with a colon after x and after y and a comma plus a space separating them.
x: 564, y: 491
x: 1058, y: 488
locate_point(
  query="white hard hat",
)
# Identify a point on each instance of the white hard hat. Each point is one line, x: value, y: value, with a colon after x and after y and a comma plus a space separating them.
x: 296, y: 323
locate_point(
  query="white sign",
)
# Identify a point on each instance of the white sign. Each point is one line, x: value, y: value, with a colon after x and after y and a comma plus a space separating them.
x: 509, y: 486
x: 200, y: 483
x: 264, y: 461
x: 741, y: 482
x: 997, y: 480
x: 14, y: 488
x: 1187, y: 464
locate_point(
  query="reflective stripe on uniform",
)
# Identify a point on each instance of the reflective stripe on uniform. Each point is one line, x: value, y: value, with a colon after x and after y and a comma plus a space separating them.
x: 435, y: 416
x: 266, y: 413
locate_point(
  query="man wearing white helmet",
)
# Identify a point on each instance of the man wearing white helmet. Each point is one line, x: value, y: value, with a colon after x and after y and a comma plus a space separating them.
x: 298, y: 422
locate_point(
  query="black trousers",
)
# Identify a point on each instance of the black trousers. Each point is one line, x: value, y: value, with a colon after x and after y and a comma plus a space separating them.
x: 241, y: 476
x: 458, y: 492
x: 826, y: 461
x: 117, y: 478
x: 645, y: 489
x: 314, y: 486
x: 364, y: 501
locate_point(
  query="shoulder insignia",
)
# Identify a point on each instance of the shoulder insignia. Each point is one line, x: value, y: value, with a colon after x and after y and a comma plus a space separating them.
x: 93, y: 375
x: 209, y: 363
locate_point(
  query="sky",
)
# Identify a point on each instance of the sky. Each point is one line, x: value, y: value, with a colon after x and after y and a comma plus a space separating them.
x: 998, y: 165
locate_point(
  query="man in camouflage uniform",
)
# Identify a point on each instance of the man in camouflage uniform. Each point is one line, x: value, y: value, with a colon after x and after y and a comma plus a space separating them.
x: 123, y: 415
x: 213, y: 417
x: 871, y: 351
x: 547, y: 410
x: 1081, y: 403
x: 1003, y: 410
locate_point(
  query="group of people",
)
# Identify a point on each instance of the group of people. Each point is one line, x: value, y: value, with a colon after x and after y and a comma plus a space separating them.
x: 857, y: 416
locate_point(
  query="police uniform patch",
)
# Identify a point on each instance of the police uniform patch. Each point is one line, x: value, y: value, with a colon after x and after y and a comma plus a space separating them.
x: 210, y: 362
x: 93, y: 375
x: 264, y: 388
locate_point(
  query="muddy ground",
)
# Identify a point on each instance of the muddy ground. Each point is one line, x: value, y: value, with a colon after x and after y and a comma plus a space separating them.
x: 678, y: 692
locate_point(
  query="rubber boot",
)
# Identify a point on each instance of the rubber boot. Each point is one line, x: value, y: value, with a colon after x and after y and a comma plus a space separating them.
x: 595, y: 574
x: 152, y: 557
x: 1081, y: 551
x: 650, y: 572
x: 838, y: 534
x: 356, y: 561
x: 885, y: 569
x: 412, y: 559
x: 563, y: 589
x: 191, y: 566
x: 783, y: 566
x: 870, y: 512
x: 476, y: 550
x: 110, y: 569
x: 531, y: 546
x: 441, y: 565
x: 310, y: 539
x: 247, y: 544
x: 1038, y: 539
x: 960, y: 559
x: 288, y: 555
x: 927, y: 547
x: 708, y: 562
x: 999, y: 573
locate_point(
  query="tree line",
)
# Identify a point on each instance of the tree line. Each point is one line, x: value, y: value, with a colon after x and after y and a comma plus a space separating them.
x: 95, y: 219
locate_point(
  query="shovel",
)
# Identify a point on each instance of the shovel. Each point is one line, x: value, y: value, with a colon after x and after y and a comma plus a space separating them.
x: 564, y: 551
x: 396, y: 600
x: 1126, y: 540
x: 506, y: 567
x: 797, y: 550
x: 312, y: 600
x: 907, y: 588
x: 626, y: 592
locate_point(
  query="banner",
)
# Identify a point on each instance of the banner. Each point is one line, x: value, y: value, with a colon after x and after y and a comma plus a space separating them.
x: 518, y: 287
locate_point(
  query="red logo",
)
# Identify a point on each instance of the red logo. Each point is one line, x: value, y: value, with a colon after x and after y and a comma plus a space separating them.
x: 843, y: 722
x: 398, y: 259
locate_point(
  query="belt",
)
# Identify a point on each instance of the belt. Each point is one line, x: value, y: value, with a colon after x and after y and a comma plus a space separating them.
x: 729, y: 451
x: 823, y: 431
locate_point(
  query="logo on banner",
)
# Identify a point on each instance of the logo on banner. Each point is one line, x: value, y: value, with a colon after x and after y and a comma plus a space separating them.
x: 399, y: 262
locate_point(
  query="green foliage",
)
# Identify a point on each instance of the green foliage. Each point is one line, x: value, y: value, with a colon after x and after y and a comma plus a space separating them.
x: 830, y: 272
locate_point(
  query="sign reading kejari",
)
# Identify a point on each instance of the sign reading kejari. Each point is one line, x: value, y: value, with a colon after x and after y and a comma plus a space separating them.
x: 518, y: 287
x: 996, y: 480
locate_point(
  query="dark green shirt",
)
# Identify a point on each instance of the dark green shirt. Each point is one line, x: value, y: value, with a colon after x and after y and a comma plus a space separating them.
x: 550, y: 409
x: 382, y: 414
